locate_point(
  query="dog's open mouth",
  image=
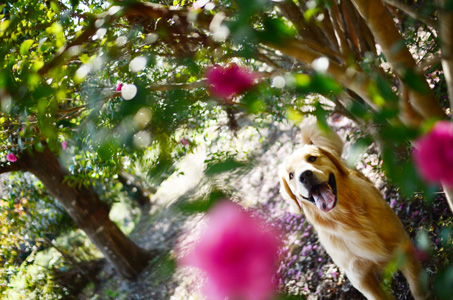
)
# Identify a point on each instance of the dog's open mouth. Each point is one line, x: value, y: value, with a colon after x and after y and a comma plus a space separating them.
x: 324, y: 195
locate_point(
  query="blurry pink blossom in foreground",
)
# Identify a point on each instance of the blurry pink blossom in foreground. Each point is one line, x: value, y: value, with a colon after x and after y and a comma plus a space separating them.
x: 433, y: 154
x: 64, y: 145
x: 119, y: 87
x: 11, y: 157
x: 227, y: 82
x: 237, y: 255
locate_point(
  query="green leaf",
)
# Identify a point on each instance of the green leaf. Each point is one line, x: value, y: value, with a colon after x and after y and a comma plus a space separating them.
x: 442, y: 284
x: 202, y: 204
x: 230, y: 164
x: 294, y: 115
x: 277, y: 31
x: 4, y: 25
x: 302, y: 80
x: 311, y: 13
x: 415, y: 81
x: 106, y: 151
x: 356, y: 150
x: 74, y: 3
x: 25, y: 46
x: 324, y: 84
x: 385, y: 89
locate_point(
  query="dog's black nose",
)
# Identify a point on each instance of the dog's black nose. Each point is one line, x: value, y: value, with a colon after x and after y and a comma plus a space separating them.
x: 305, y: 176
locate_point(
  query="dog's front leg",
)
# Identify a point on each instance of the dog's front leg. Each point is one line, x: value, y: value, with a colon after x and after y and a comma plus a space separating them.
x: 366, y: 281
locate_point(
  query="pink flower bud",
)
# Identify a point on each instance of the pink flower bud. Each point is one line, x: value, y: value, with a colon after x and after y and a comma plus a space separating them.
x: 11, y: 157
x: 64, y: 145
x: 433, y: 154
x: 184, y: 142
x: 228, y: 82
x: 119, y: 87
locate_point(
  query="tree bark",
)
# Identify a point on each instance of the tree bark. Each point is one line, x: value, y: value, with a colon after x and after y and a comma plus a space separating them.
x: 88, y: 212
x: 388, y: 37
x: 446, y: 42
x: 348, y: 77
x: 138, y: 194
x: 411, y: 12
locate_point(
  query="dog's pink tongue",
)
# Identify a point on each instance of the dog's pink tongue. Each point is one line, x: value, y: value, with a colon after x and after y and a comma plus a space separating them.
x: 325, y: 200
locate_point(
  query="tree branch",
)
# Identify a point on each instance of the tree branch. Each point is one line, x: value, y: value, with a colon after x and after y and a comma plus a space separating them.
x: 356, y: 29
x: 12, y: 167
x: 312, y: 35
x: 446, y: 42
x: 449, y: 195
x: 181, y: 86
x: 411, y: 12
x: 334, y: 15
x: 348, y: 77
x: 61, y: 53
x: 89, y: 31
x: 293, y: 12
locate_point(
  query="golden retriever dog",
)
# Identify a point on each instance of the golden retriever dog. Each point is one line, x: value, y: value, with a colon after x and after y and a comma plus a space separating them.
x: 355, y: 225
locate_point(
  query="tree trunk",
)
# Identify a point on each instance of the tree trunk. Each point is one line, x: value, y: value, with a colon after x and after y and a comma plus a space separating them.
x: 446, y: 42
x: 88, y: 212
x: 135, y: 191
x: 389, y: 38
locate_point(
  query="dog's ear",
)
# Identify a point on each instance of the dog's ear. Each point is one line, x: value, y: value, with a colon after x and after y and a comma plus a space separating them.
x: 313, y: 135
x: 286, y: 192
x: 336, y: 160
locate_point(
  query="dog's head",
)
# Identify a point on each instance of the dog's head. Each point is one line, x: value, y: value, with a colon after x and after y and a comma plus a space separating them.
x: 309, y: 176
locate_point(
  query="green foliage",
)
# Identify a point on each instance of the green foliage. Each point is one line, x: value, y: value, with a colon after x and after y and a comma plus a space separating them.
x: 228, y: 165
x: 30, y: 219
x: 203, y: 204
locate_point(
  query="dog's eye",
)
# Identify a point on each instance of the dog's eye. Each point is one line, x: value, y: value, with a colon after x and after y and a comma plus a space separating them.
x: 311, y: 159
x: 291, y: 175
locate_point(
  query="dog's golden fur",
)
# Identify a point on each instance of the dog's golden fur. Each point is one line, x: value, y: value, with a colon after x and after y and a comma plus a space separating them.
x: 361, y: 232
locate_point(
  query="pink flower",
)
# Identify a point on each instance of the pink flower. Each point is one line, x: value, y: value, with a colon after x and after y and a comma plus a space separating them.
x: 119, y: 87
x: 64, y: 145
x: 184, y: 142
x: 433, y: 154
x: 11, y: 157
x: 237, y: 255
x: 228, y: 82
x: 421, y: 254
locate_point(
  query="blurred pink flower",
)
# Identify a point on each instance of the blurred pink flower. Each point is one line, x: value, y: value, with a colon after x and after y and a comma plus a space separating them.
x: 237, y: 255
x: 433, y: 154
x: 421, y: 254
x: 184, y: 142
x: 11, y: 157
x: 119, y: 87
x: 228, y: 82
x: 64, y: 145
